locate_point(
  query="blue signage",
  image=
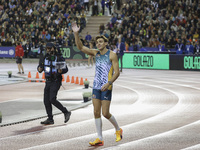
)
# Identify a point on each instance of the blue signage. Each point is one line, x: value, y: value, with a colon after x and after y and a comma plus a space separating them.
x: 7, y: 51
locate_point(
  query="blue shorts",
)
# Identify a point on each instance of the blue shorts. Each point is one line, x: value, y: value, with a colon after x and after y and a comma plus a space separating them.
x: 102, y: 95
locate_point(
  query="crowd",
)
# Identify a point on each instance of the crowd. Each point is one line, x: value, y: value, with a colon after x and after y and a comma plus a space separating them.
x: 139, y: 23
x: 34, y: 21
x: 154, y: 23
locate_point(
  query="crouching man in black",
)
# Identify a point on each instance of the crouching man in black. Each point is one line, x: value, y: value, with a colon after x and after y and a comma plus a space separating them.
x: 53, y: 76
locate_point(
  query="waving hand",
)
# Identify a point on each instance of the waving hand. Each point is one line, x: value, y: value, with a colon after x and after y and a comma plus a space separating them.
x: 75, y: 28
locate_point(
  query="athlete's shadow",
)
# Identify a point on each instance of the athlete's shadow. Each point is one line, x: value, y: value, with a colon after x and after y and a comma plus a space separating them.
x: 94, y: 147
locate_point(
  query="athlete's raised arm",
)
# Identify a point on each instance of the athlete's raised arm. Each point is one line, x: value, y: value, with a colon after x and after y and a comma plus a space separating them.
x: 78, y: 42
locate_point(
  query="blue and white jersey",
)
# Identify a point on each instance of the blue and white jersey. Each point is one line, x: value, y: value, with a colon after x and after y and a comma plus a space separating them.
x: 104, y: 70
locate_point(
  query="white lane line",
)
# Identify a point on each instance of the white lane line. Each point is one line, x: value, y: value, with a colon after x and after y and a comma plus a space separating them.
x: 75, y: 138
x: 128, y: 144
x: 194, y: 147
x: 63, y: 141
x: 168, y: 82
x: 47, y: 130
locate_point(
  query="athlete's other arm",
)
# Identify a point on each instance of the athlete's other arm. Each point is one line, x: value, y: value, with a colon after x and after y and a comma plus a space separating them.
x: 115, y: 63
x: 78, y: 42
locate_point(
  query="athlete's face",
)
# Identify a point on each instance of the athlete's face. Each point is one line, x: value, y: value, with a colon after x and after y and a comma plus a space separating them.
x: 100, y: 44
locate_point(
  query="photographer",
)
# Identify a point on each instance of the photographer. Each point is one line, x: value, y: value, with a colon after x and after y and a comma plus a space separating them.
x: 53, y: 76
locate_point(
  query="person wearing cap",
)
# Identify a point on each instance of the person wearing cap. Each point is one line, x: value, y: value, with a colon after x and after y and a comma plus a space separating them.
x: 53, y: 76
x: 106, y: 72
x: 179, y: 47
x: 189, y: 48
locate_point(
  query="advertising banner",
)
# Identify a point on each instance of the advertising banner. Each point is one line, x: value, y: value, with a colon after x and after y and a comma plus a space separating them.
x: 7, y: 51
x: 72, y: 52
x: 146, y: 61
x: 185, y: 62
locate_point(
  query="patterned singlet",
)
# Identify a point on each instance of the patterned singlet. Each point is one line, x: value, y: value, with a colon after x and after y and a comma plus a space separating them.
x: 104, y: 70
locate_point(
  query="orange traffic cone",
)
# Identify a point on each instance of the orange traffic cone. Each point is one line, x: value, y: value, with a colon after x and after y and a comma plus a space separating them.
x: 81, y: 81
x: 72, y: 80
x: 67, y: 80
x: 37, y: 75
x: 63, y: 78
x: 77, y: 82
x: 29, y: 74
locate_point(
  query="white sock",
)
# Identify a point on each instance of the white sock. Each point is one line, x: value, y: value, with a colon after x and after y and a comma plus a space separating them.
x: 98, y: 123
x: 114, y: 122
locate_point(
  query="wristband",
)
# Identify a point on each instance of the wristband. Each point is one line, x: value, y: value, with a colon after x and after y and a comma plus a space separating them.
x: 110, y: 82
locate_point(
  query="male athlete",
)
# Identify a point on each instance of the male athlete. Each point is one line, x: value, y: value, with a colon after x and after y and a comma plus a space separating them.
x: 106, y: 63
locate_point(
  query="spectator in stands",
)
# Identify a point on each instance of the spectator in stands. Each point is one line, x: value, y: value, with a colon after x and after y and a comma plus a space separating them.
x: 151, y: 42
x: 197, y: 48
x: 113, y: 20
x: 161, y: 47
x: 101, y: 28
x: 71, y: 38
x: 130, y: 48
x: 86, y: 4
x: 179, y: 47
x: 136, y: 46
x: 109, y: 6
x: 95, y: 10
x: 8, y: 41
x: 189, y: 48
x: 48, y: 36
x: 120, y: 51
x: 19, y: 53
x: 88, y: 37
x: 105, y: 34
x: 118, y: 4
x: 27, y: 48
x: 144, y: 43
x: 196, y: 35
x: 103, y: 6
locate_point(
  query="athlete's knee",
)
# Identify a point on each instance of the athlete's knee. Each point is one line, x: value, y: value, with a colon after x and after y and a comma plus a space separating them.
x: 97, y: 114
x: 106, y: 114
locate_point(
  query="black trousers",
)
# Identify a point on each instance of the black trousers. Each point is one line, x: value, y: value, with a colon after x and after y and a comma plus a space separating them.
x: 50, y: 97
x: 118, y: 4
x: 87, y: 5
x: 121, y: 59
x: 95, y: 10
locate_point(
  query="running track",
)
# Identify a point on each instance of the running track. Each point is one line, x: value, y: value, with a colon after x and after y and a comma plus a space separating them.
x: 157, y: 110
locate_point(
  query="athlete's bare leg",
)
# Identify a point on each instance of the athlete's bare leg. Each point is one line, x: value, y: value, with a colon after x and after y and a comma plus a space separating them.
x: 106, y: 108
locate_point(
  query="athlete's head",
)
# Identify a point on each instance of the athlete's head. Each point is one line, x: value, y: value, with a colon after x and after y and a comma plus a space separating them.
x: 101, y: 42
